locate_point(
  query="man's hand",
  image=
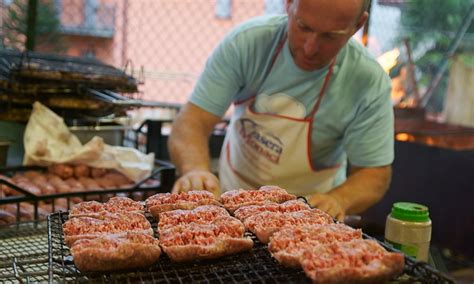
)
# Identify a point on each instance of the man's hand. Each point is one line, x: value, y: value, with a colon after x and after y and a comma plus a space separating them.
x: 197, y: 180
x: 328, y: 204
x: 188, y: 145
x: 363, y: 188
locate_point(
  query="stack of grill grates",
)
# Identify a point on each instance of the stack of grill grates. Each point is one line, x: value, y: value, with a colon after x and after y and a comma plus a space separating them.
x: 62, y: 83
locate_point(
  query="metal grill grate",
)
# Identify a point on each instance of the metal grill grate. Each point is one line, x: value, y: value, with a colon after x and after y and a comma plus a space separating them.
x: 36, y: 68
x: 256, y: 266
x: 24, y: 253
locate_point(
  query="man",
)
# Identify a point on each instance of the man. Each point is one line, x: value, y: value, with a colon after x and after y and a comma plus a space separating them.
x: 307, y: 99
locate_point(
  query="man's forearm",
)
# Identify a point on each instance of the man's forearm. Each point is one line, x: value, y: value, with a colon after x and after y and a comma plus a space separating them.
x: 363, y: 188
x: 188, y: 141
x: 188, y: 154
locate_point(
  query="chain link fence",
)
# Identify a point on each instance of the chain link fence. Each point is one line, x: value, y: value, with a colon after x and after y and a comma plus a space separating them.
x: 165, y: 43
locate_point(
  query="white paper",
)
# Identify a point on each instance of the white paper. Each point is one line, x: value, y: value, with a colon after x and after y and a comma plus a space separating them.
x: 48, y: 140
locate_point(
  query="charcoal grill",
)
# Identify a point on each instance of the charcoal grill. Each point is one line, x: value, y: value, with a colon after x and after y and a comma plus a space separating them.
x: 255, y: 266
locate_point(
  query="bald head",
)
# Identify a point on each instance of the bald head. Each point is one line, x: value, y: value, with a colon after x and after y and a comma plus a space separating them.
x: 318, y: 29
x: 360, y: 6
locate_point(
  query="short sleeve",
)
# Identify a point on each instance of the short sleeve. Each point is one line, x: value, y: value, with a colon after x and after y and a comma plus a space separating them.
x: 369, y: 138
x: 220, y: 80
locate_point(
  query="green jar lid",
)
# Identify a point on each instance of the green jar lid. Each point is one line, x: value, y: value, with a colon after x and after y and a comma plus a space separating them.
x: 408, y: 211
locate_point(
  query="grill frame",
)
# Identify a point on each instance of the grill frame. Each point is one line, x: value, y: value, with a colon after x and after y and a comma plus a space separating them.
x: 255, y: 266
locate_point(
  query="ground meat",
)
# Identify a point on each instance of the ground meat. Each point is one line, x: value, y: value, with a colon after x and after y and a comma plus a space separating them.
x: 357, y: 261
x: 289, y: 206
x: 163, y: 202
x: 201, y: 215
x: 234, y: 199
x: 266, y: 223
x: 111, y: 252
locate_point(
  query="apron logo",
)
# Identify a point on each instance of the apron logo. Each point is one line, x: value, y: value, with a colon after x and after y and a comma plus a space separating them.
x: 264, y: 143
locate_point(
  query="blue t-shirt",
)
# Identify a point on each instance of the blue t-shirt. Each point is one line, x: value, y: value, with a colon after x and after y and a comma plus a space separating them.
x: 355, y: 119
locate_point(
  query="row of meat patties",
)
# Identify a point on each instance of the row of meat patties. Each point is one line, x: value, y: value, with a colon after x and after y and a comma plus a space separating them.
x: 195, y: 225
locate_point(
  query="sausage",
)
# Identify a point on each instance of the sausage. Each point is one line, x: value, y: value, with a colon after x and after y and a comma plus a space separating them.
x: 75, y: 185
x: 6, y: 217
x: 98, y: 172
x: 89, y: 183
x: 119, y: 179
x: 26, y: 184
x: 30, y: 208
x: 60, y: 185
x: 82, y: 171
x: 26, y: 214
x: 62, y: 204
x: 58, y: 206
x: 32, y: 174
x: 42, y: 183
x: 106, y: 183
x: 62, y: 170
x: 37, y: 177
x: 5, y: 190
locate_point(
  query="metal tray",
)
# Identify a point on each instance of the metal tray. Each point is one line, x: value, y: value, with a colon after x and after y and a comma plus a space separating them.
x: 255, y: 266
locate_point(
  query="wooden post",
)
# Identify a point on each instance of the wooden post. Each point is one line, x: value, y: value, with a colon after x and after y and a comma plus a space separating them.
x: 413, y: 88
x: 31, y: 25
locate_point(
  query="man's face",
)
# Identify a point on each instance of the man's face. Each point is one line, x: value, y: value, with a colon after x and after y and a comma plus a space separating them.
x: 318, y: 29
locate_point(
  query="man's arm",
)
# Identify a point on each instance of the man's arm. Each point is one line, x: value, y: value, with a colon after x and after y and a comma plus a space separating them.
x: 189, y: 150
x: 363, y: 188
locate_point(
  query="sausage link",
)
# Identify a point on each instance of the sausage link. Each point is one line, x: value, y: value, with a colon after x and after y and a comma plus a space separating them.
x: 98, y: 172
x: 62, y: 170
x: 82, y: 171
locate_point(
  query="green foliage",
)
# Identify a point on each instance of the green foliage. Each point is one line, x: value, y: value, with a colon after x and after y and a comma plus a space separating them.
x: 47, y: 25
x: 468, y: 59
x: 435, y: 21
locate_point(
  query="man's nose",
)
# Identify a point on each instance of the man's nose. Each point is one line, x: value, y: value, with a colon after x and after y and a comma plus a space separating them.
x: 311, y: 45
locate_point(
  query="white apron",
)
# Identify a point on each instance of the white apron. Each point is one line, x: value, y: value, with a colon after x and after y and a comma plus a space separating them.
x: 270, y: 149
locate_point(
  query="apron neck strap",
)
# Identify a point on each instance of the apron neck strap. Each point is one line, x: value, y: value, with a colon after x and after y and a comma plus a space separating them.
x: 280, y: 45
x: 322, y: 91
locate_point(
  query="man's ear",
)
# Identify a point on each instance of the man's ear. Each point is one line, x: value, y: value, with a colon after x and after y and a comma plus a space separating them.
x: 362, y: 19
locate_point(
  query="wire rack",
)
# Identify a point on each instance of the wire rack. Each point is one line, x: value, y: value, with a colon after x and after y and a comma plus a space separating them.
x: 163, y: 177
x: 255, y: 266
x: 37, y: 68
x: 24, y: 253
